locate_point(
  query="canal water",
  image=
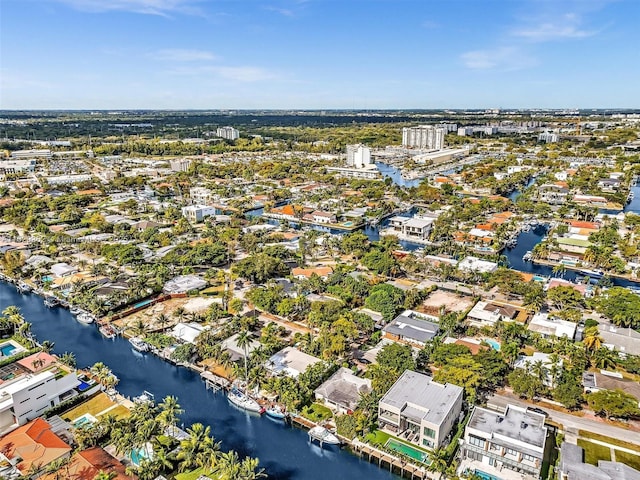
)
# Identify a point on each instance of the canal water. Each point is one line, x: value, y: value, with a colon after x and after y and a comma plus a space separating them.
x: 284, y: 451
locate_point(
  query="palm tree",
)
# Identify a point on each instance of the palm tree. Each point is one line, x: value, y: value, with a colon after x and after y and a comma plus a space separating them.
x: 439, y: 460
x: 169, y: 412
x: 243, y: 340
x: 59, y: 467
x: 162, y: 319
x: 592, y: 339
x: 69, y: 359
x: 604, y: 358
x: 102, y: 475
x: 199, y: 440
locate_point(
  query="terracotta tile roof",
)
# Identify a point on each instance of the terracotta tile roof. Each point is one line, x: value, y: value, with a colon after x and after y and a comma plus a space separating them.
x: 582, y: 224
x: 37, y: 361
x: 87, y: 464
x: 35, y: 443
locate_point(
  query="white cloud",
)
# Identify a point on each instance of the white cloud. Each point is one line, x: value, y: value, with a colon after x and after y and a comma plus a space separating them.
x: 149, y: 7
x: 183, y: 55
x: 502, y: 58
x: 282, y: 11
x: 568, y: 26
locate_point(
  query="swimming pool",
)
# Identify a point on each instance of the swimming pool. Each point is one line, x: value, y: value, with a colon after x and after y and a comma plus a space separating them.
x: 7, y: 349
x: 140, y: 454
x: 142, y: 304
x: 83, y: 386
x: 485, y: 476
x: 493, y: 344
x: 84, y: 420
x: 408, y: 450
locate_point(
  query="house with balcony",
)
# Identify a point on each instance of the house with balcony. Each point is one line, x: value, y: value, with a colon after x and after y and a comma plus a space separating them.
x: 32, y: 385
x: 504, y: 445
x: 419, y: 410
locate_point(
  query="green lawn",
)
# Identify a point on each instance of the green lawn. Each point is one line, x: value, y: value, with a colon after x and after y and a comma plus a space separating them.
x: 594, y: 452
x: 316, y: 412
x: 377, y: 438
x: 612, y: 441
x: 193, y: 475
x: 628, y: 459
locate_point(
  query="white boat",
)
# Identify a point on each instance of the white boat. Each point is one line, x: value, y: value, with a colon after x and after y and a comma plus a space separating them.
x: 527, y: 257
x: 244, y: 401
x: 323, y: 435
x: 275, y: 412
x: 139, y: 344
x: 23, y: 287
x: 108, y: 331
x: 51, y: 302
x: 75, y: 310
x: 85, y: 317
x: 145, y: 397
x: 592, y: 273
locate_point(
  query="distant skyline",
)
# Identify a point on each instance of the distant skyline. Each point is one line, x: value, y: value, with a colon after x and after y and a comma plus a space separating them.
x: 319, y: 54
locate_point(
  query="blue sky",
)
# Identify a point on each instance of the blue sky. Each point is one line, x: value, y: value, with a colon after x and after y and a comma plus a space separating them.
x: 319, y: 54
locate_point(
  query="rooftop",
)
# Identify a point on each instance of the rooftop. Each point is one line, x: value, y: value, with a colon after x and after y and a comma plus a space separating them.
x: 515, y: 424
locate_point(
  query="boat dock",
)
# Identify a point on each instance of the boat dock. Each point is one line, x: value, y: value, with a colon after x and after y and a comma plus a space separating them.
x: 400, y: 466
x: 214, y: 382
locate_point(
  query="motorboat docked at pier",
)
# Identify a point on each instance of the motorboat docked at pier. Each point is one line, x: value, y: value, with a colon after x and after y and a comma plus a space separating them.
x: 592, y: 273
x: 527, y: 257
x: 85, y: 317
x: 276, y: 412
x: 244, y: 401
x: 23, y: 287
x: 139, y: 344
x: 322, y: 435
x: 51, y: 301
x: 108, y: 331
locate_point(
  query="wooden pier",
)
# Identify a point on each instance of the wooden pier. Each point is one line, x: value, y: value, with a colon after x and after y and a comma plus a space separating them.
x: 214, y: 382
x: 404, y: 468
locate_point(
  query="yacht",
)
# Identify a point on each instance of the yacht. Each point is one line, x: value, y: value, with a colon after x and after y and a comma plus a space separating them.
x: 139, y: 344
x: 23, y: 287
x: 592, y: 273
x: 85, y: 317
x: 527, y: 257
x: 323, y: 435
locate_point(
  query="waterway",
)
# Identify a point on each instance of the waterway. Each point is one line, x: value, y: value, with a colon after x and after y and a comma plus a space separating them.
x: 284, y: 451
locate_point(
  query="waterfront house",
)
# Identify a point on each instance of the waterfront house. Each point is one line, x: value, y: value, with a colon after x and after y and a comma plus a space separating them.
x: 412, y: 328
x: 342, y: 391
x: 187, y: 332
x: 474, y: 264
x: 235, y: 351
x: 85, y: 465
x: 420, y: 410
x: 572, y: 466
x: 290, y: 361
x: 184, y: 284
x: 31, y: 446
x: 496, y: 442
x: 32, y: 385
x: 411, y: 228
x: 553, y: 194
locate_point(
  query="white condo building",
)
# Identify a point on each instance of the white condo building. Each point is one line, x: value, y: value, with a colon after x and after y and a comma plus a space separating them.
x: 358, y: 156
x: 424, y: 136
x: 228, y: 133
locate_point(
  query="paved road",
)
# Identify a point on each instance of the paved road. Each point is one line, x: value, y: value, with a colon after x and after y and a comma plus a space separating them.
x: 572, y: 423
